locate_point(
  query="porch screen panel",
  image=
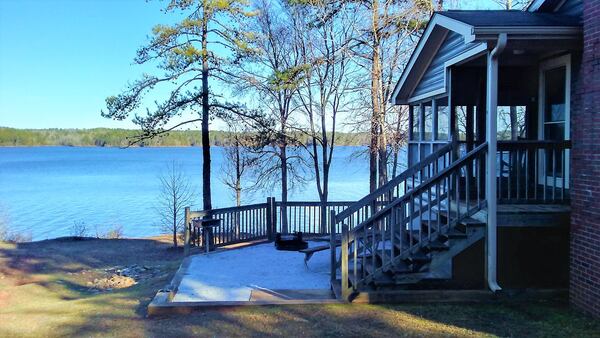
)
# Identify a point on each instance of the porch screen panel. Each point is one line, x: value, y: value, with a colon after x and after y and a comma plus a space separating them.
x: 416, y: 123
x: 443, y: 122
x: 461, y: 122
x: 428, y: 134
x: 511, y: 122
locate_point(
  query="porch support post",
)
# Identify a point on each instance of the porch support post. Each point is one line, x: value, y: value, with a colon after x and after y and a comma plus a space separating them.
x: 490, y: 191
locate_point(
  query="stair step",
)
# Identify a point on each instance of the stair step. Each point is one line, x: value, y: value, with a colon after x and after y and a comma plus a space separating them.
x: 444, y: 212
x: 454, y: 233
x: 469, y: 222
x: 435, y: 246
x: 418, y: 258
x: 399, y: 268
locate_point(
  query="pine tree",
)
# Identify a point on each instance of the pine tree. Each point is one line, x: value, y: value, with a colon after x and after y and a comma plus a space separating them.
x: 190, y: 55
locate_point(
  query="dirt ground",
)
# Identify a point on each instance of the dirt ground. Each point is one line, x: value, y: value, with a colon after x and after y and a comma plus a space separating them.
x: 101, y: 287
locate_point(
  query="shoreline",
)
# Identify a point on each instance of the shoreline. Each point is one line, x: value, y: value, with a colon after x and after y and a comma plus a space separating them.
x: 133, y: 146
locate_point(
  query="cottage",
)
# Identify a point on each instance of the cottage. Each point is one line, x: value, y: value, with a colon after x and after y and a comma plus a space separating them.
x: 501, y: 188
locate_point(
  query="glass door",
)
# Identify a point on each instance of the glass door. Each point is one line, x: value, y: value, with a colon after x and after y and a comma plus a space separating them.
x: 554, y: 121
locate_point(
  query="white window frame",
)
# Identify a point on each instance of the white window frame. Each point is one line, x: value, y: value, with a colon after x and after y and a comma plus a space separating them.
x: 561, y: 61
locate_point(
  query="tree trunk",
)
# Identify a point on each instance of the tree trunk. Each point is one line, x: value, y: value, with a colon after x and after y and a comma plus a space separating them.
x: 284, y: 186
x: 376, y: 119
x: 514, y: 124
x: 238, y: 174
x: 174, y: 226
x: 206, y: 195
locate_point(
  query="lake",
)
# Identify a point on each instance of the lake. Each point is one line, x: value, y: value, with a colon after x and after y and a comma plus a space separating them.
x: 44, y: 190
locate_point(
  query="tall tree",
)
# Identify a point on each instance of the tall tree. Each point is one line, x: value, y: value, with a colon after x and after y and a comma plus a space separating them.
x: 190, y: 54
x: 273, y: 73
x: 323, y: 33
x: 382, y: 46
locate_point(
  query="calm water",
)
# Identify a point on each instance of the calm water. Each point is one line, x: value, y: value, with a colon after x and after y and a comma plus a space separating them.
x: 44, y: 190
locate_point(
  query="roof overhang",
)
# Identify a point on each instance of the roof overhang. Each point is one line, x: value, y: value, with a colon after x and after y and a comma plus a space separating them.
x: 544, y: 5
x: 430, y: 42
x: 434, y: 35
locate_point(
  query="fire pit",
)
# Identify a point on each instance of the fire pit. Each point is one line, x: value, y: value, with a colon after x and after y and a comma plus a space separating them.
x: 291, y: 242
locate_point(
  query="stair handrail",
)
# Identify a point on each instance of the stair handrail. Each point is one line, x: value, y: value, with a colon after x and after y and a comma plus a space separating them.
x: 423, y: 185
x: 396, y: 181
x: 385, y: 219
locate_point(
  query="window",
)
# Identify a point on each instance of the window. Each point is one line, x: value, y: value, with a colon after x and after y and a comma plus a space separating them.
x: 428, y: 134
x: 443, y: 121
x: 415, y: 127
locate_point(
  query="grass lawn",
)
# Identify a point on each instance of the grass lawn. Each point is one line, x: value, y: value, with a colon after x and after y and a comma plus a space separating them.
x: 60, y: 287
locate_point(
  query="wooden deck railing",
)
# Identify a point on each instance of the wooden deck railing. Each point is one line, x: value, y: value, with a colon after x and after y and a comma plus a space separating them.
x: 260, y: 221
x: 533, y: 171
x: 306, y: 216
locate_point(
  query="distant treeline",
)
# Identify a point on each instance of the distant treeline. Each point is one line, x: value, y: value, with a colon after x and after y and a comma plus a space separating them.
x: 106, y: 137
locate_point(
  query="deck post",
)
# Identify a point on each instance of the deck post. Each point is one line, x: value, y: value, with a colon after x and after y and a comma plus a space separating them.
x: 344, y: 262
x: 332, y: 245
x: 491, y: 188
x: 270, y: 218
x: 186, y: 233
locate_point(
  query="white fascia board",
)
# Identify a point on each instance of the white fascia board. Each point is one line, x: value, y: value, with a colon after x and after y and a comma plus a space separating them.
x: 459, y: 27
x: 535, y: 5
x: 428, y: 95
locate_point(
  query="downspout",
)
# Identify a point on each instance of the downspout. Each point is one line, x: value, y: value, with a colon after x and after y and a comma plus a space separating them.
x: 491, y: 188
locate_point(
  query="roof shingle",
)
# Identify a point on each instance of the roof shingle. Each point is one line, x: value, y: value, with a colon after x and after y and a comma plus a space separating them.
x: 495, y: 18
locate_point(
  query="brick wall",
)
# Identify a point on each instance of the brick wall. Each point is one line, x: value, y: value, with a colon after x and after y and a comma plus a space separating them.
x: 585, y: 192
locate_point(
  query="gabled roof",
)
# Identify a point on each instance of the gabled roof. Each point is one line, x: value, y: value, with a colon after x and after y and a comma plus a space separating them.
x: 543, y: 5
x: 477, y: 27
x: 512, y: 18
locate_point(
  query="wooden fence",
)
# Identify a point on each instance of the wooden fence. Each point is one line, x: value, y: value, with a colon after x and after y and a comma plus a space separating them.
x: 259, y: 221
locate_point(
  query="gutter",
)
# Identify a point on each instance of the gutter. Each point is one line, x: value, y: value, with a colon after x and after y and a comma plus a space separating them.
x: 491, y: 183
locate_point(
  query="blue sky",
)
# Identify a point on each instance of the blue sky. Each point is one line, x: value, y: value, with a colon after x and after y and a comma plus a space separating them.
x: 60, y: 59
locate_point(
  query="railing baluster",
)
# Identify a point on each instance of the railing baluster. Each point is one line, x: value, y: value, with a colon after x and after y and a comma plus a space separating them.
x: 563, y: 172
x: 500, y: 175
x: 429, y: 213
x: 545, y: 172
x: 518, y: 174
x: 527, y: 174
x: 553, y: 174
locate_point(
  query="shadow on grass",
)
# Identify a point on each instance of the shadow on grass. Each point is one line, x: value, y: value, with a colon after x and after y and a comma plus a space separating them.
x: 48, y: 290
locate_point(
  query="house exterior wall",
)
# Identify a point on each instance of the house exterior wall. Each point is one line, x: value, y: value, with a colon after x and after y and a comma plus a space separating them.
x: 433, y: 78
x: 585, y: 158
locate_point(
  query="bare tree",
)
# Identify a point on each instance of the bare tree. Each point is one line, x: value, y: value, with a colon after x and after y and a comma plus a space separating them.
x: 175, y: 194
x: 323, y: 32
x: 273, y: 73
x: 512, y: 4
x: 239, y: 161
x: 383, y: 44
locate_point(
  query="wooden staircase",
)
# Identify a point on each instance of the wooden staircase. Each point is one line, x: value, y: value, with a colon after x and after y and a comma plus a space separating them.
x: 408, y: 240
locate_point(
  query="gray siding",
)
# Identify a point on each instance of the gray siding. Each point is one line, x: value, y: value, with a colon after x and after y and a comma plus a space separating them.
x: 433, y: 78
x: 572, y: 7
